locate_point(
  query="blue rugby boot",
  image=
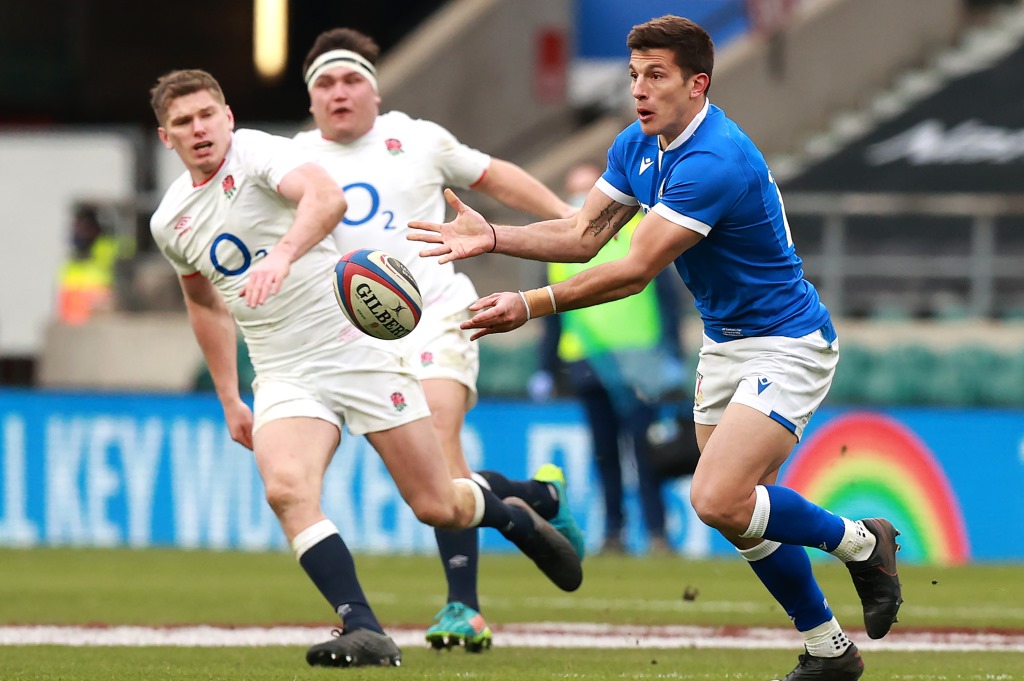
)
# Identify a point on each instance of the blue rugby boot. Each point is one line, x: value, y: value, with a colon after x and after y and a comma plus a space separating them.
x: 459, y: 625
x: 563, y: 520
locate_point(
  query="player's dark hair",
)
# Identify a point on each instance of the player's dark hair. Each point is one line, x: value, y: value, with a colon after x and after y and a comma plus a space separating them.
x: 342, y: 39
x: 176, y: 84
x: 691, y: 44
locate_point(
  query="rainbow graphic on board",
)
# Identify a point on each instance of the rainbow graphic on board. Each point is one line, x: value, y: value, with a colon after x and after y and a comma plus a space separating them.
x: 865, y: 465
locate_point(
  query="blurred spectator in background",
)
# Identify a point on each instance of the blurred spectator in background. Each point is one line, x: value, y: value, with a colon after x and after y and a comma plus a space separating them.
x: 86, y: 280
x: 622, y: 359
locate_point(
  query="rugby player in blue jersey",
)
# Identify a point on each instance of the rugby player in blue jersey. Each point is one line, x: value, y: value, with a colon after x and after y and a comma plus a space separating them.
x: 769, y: 351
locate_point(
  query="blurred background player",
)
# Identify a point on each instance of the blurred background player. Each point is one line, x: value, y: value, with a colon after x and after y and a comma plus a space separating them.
x: 620, y: 358
x: 393, y: 170
x: 314, y: 371
x: 712, y: 207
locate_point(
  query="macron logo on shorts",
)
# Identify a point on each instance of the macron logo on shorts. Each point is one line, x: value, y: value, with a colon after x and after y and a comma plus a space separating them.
x: 762, y: 383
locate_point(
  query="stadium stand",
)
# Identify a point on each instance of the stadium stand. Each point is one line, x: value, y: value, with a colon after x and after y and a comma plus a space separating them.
x: 891, y: 294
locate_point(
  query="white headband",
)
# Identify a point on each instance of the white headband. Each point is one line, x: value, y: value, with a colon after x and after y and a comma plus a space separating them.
x: 334, y: 58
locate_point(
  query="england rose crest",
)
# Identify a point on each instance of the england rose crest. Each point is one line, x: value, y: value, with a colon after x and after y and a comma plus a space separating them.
x: 398, y: 401
x: 426, y: 358
x: 228, y: 185
x: 394, y: 146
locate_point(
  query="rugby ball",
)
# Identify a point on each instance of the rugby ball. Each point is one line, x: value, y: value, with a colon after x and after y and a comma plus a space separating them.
x: 377, y: 293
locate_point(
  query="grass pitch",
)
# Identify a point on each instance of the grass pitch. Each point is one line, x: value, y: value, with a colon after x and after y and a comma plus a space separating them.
x: 285, y: 664
x: 163, y: 587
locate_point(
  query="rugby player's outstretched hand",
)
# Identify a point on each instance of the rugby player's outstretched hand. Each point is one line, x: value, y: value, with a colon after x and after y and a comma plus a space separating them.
x: 266, y: 277
x: 464, y: 237
x: 497, y: 313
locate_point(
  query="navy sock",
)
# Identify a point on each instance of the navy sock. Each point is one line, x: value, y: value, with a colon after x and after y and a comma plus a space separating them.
x: 537, y: 494
x: 788, y: 577
x: 460, y: 554
x: 794, y: 520
x: 329, y: 564
x: 514, y: 523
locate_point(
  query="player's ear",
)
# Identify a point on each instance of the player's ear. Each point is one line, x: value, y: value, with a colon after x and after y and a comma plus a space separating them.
x: 163, y: 137
x: 231, y: 116
x: 701, y: 82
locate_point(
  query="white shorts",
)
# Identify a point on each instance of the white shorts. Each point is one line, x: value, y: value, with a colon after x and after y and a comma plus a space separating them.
x: 783, y: 378
x: 438, y: 348
x: 373, y: 389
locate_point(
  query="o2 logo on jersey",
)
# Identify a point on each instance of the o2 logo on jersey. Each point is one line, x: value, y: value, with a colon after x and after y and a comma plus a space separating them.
x: 364, y: 205
x: 227, y: 249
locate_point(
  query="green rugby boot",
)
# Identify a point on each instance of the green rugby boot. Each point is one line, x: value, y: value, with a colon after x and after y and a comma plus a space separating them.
x: 459, y: 625
x: 563, y: 520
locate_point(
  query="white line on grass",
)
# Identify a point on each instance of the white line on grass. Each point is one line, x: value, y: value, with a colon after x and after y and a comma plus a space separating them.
x: 535, y: 635
x: 984, y: 613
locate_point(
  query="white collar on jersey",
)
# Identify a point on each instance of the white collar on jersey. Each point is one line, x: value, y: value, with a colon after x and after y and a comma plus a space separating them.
x: 691, y: 128
x: 347, y: 58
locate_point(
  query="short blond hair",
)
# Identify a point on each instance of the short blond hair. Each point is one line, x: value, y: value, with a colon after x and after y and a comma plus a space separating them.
x: 179, y: 83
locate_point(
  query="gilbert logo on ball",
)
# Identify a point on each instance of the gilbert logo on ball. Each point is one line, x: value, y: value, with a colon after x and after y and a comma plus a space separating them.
x: 377, y: 293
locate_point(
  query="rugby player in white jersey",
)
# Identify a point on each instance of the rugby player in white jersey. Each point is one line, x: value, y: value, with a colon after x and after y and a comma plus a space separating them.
x: 393, y: 169
x: 245, y: 228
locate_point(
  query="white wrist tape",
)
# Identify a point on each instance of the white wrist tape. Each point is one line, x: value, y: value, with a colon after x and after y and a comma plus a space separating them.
x: 526, y: 303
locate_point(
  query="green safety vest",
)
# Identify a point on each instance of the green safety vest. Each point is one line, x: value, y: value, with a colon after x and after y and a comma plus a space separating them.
x: 86, y: 284
x: 628, y: 323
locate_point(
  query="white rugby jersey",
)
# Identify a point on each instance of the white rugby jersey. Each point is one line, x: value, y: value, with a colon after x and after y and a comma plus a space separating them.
x: 392, y: 175
x: 220, y: 228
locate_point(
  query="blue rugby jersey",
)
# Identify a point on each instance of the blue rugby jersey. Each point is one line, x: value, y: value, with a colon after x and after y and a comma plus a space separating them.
x: 744, y: 274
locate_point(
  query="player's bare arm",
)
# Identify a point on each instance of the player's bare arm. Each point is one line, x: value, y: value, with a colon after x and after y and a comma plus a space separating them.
x: 517, y: 189
x: 655, y: 244
x: 321, y: 206
x: 574, y: 239
x: 601, y: 218
x: 214, y: 330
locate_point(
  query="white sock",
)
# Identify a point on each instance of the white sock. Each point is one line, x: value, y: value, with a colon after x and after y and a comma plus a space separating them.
x: 759, y: 552
x: 826, y: 640
x: 478, y: 498
x: 759, y: 518
x: 311, y: 536
x: 857, y: 543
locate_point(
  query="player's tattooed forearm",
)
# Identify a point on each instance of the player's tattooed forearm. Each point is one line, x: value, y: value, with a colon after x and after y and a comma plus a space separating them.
x: 612, y: 217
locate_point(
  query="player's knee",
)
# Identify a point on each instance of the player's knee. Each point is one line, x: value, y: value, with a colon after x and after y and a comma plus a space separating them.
x: 718, y: 510
x: 285, y: 492
x: 435, y: 513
